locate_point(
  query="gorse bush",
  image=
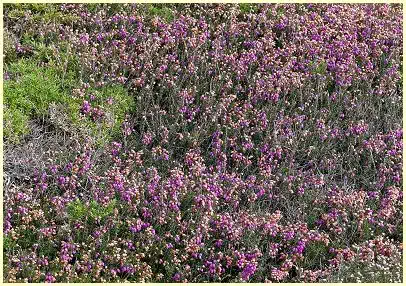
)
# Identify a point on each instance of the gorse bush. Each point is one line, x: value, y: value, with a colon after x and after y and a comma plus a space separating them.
x: 224, y: 143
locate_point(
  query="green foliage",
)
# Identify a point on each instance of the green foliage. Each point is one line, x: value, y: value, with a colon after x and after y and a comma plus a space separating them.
x: 110, y: 127
x: 27, y: 239
x: 28, y: 94
x: 48, y: 248
x: 319, y: 68
x: 56, y: 17
x: 77, y: 210
x: 33, y: 7
x: 15, y: 124
x: 161, y: 11
x: 110, y: 9
x: 246, y: 8
x: 99, y: 211
x: 8, y: 243
x: 40, y: 13
x: 315, y: 255
x: 312, y: 218
x: 32, y: 88
x: 14, y: 13
x: 280, y: 11
x: 367, y: 231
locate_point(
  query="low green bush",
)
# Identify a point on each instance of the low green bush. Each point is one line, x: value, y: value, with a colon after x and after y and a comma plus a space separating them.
x: 31, y: 90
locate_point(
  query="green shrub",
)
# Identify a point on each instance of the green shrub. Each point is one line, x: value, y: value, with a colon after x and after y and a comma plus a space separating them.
x: 28, y: 94
x: 77, y: 210
x: 246, y: 8
x: 32, y: 89
x: 15, y: 124
x: 110, y: 127
x: 8, y: 242
x: 160, y: 11
x: 99, y: 211
x: 40, y: 13
x: 315, y: 255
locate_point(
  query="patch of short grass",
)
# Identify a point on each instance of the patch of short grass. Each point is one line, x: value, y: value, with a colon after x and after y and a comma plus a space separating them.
x: 31, y: 90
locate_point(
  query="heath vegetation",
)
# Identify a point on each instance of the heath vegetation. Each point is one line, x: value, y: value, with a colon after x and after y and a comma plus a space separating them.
x: 203, y: 143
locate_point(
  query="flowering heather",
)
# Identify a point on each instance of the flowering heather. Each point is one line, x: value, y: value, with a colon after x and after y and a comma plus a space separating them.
x: 264, y: 144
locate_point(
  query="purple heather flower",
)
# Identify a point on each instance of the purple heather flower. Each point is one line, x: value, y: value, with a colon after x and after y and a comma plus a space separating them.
x: 248, y: 271
x: 85, y: 107
x: 49, y: 278
x: 176, y: 277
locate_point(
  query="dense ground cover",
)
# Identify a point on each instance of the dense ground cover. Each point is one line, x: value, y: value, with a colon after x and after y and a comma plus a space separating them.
x: 203, y: 143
